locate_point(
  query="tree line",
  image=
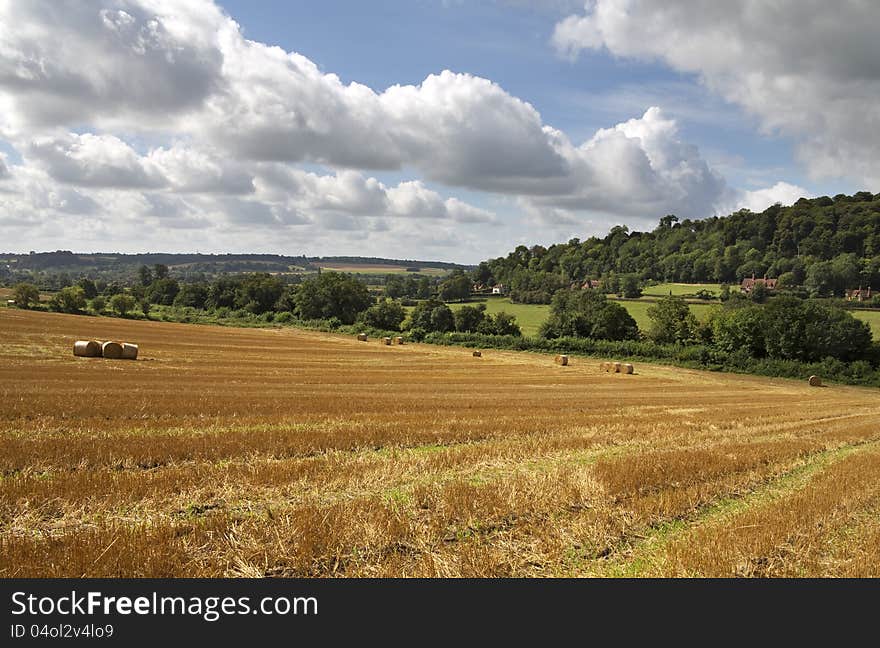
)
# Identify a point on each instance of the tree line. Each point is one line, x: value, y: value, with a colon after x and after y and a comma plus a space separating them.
x: 824, y: 245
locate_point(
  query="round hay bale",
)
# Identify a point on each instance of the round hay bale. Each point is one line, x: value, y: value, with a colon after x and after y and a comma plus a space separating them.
x: 398, y: 340
x: 616, y: 367
x: 628, y: 368
x: 87, y: 349
x: 112, y: 350
x: 478, y: 354
x: 604, y: 366
x: 562, y: 360
x: 386, y: 340
x: 129, y: 351
x: 362, y: 337
x: 815, y: 381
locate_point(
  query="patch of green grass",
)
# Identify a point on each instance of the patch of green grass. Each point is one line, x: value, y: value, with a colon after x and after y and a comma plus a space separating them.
x: 639, y: 311
x: 679, y: 289
x: 378, y: 269
x: 528, y: 316
x: 873, y: 320
x: 531, y: 316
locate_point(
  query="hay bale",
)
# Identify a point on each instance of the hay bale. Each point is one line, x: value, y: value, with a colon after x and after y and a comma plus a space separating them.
x: 561, y: 360
x: 604, y: 366
x: 815, y: 381
x: 628, y: 368
x: 362, y: 337
x: 398, y: 340
x: 478, y: 354
x: 129, y: 351
x: 87, y: 349
x: 112, y: 350
x: 616, y: 367
x: 386, y: 340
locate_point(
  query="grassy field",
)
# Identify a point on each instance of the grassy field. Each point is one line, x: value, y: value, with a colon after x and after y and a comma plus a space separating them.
x: 531, y: 316
x: 367, y: 268
x: 249, y: 452
x: 680, y: 289
x: 639, y: 311
x: 872, y: 318
x: 528, y: 316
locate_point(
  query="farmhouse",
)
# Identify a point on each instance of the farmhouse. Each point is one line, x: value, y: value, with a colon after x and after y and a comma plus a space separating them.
x: 750, y: 282
x: 499, y: 289
x: 591, y: 284
x: 860, y: 295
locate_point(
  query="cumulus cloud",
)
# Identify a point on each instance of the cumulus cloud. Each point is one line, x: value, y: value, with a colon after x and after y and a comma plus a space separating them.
x: 233, y: 121
x: 262, y: 103
x: 806, y: 69
x: 760, y: 199
x: 93, y: 161
x: 67, y: 62
x: 188, y: 169
x: 639, y: 167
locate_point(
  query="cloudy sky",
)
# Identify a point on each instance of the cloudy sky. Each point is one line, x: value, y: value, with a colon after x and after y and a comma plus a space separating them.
x: 436, y: 129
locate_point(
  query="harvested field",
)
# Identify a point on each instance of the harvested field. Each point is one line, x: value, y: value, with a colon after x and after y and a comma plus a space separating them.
x: 248, y: 452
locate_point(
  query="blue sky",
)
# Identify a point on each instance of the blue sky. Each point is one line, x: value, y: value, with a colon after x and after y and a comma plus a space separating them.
x: 558, y: 119
x: 399, y: 42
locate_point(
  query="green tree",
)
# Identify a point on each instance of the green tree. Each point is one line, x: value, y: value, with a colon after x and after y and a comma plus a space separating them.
x: 395, y: 286
x: 424, y: 290
x: 432, y: 315
x: 90, y: 290
x: 588, y: 313
x: 386, y: 315
x: 122, y: 304
x: 222, y: 293
x: 469, y: 318
x: 740, y: 330
x: 68, y: 300
x: 332, y: 294
x: 672, y: 321
x: 811, y: 330
x: 499, y: 324
x: 630, y: 286
x: 26, y: 295
x: 259, y: 292
x: 98, y: 304
x: 456, y: 287
x: 145, y: 275
x: 820, y: 279
x: 160, y: 271
x: 194, y: 295
x: 759, y: 293
x: 442, y: 320
x: 162, y: 291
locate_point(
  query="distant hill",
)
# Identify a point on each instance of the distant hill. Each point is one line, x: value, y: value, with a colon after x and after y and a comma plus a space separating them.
x: 826, y: 245
x: 118, y: 264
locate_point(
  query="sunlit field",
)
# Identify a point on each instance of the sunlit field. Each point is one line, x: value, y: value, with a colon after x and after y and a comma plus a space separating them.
x: 680, y: 289
x: 528, y: 316
x: 639, y: 311
x: 370, y: 268
x: 872, y: 318
x: 531, y: 316
x: 249, y: 452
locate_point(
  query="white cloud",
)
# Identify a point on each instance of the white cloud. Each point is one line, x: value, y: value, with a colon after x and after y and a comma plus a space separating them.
x: 760, y: 199
x: 188, y: 169
x: 83, y: 85
x: 93, y: 161
x: 118, y: 61
x: 806, y: 69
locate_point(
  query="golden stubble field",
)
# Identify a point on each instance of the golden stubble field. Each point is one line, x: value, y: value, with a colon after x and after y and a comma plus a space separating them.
x: 245, y: 452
